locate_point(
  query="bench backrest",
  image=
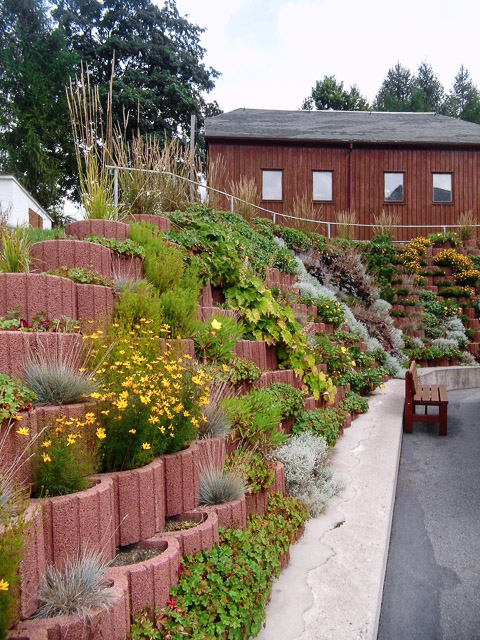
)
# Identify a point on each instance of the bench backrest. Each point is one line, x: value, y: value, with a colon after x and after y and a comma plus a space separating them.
x: 411, y: 380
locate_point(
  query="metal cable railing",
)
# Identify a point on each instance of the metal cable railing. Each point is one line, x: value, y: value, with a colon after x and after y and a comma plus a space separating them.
x: 274, y: 214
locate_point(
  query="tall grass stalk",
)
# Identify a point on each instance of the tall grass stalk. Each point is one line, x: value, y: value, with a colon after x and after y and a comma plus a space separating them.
x: 466, y: 229
x: 345, y: 220
x: 385, y: 224
x: 217, y: 179
x: 14, y: 250
x: 93, y: 140
x: 303, y: 208
x: 246, y: 191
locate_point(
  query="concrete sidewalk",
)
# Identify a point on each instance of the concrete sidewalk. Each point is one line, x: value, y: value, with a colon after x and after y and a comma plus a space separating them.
x: 332, y: 588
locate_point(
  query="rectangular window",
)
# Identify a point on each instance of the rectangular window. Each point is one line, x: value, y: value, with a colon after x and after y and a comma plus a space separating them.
x: 322, y: 185
x: 271, y: 184
x: 442, y: 187
x: 393, y: 187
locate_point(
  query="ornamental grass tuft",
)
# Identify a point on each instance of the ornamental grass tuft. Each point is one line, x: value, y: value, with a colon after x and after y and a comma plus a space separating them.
x: 76, y: 589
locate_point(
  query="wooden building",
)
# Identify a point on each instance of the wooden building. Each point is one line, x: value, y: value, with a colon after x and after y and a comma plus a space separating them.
x: 423, y: 167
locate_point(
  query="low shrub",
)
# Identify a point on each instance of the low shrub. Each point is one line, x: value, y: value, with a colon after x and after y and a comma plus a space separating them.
x: 291, y: 400
x: 353, y: 403
x: 214, y: 340
x: 82, y: 275
x: 126, y: 247
x: 365, y: 381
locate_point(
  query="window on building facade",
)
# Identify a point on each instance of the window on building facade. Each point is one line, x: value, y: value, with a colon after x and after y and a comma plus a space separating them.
x: 442, y: 187
x: 271, y: 184
x: 393, y: 187
x: 323, y: 185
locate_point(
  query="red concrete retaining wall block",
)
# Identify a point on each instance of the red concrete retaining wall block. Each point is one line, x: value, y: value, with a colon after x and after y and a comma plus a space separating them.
x: 35, y: 292
x: 79, y: 520
x: 211, y: 453
x: 288, y: 376
x: 32, y: 566
x: 94, y: 302
x: 17, y: 346
x: 149, y: 582
x: 130, y: 267
x: 53, y: 254
x: 82, y: 229
x: 181, y: 480
x: 230, y: 514
x: 139, y: 502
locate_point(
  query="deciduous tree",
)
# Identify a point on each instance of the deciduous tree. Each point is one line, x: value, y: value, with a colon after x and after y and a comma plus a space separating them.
x: 330, y: 94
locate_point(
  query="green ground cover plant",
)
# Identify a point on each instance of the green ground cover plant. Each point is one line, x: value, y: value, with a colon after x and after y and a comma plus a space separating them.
x: 82, y: 275
x: 325, y: 422
x: 222, y: 592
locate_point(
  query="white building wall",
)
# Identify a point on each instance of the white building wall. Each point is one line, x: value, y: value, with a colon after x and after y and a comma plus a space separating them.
x: 16, y: 202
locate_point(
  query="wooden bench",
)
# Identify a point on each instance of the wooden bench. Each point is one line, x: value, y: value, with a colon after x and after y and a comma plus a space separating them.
x: 417, y: 395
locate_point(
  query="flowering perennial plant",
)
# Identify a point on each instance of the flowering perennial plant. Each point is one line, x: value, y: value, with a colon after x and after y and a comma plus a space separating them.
x: 148, y: 405
x: 411, y: 256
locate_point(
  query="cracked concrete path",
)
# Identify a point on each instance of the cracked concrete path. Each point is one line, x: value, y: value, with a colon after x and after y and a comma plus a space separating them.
x: 332, y: 587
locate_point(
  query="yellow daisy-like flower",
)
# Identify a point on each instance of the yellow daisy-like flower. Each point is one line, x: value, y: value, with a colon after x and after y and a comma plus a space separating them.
x: 153, y: 419
x: 121, y: 404
x: 23, y: 431
x: 89, y: 418
x: 71, y: 439
x: 46, y: 444
x: 95, y: 395
x: 46, y: 457
x: 132, y: 431
x: 16, y: 416
x: 216, y: 325
x: 105, y: 412
x: 146, y: 446
x: 100, y: 433
x: 3, y: 585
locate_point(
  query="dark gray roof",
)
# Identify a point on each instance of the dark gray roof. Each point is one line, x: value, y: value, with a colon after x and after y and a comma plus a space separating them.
x: 342, y: 126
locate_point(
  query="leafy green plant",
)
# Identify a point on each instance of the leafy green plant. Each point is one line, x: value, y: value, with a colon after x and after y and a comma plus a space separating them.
x: 75, y: 589
x: 222, y: 592
x: 379, y: 255
x: 14, y: 397
x: 325, y: 422
x: 82, y: 275
x: 291, y: 400
x: 353, y: 403
x: 366, y: 380
x: 296, y: 240
x: 215, y: 339
x: 123, y: 247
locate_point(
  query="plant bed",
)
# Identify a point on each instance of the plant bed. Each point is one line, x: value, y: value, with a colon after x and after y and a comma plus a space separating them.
x: 133, y: 554
x: 230, y: 514
x: 194, y: 531
x: 150, y: 581
x: 55, y: 254
x: 82, y: 229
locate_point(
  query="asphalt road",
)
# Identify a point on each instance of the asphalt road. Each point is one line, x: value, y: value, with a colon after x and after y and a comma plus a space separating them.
x: 432, y: 584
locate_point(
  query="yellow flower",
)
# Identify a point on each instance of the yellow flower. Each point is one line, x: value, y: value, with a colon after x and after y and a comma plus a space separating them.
x: 382, y: 386
x: 3, y: 585
x: 23, y: 431
x: 132, y: 431
x: 46, y: 457
x: 70, y: 439
x: 216, y: 325
x: 105, y: 412
x: 95, y: 395
x: 121, y: 404
x: 46, y: 444
x: 100, y: 433
x: 146, y: 446
x: 16, y: 416
x: 89, y: 418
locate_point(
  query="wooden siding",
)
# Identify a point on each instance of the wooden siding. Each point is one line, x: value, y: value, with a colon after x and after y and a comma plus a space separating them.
x: 368, y: 165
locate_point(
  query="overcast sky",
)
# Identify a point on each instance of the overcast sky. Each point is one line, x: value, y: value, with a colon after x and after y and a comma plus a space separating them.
x: 271, y: 52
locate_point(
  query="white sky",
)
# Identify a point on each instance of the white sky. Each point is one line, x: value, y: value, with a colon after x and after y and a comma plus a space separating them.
x: 271, y: 52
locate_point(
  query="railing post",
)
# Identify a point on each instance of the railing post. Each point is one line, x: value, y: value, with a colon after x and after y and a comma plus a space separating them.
x: 274, y: 218
x: 231, y: 204
x: 444, y: 229
x: 115, y: 187
x: 328, y: 230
